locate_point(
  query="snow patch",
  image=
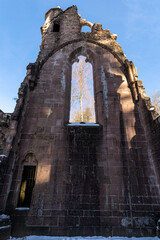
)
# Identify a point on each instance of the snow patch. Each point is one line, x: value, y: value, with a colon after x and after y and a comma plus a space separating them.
x: 82, y: 238
x: 138, y: 222
x: 153, y: 172
x: 157, y: 117
x: 3, y: 156
x: 110, y: 70
x: 105, y: 89
x: 63, y: 82
x: 125, y: 222
x: 3, y: 217
x: 22, y: 208
x: 8, y: 226
x: 83, y: 124
x: 40, y: 210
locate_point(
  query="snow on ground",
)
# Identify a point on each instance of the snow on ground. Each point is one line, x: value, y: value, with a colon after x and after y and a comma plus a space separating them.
x: 83, y: 238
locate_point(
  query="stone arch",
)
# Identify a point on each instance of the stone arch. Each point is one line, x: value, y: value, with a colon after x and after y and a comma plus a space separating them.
x: 85, y: 48
x: 90, y: 57
x: 118, y: 55
x: 30, y: 159
x: 83, y: 23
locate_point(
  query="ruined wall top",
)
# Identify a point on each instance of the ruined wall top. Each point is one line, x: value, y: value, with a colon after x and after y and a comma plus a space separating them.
x: 53, y: 12
x: 63, y: 27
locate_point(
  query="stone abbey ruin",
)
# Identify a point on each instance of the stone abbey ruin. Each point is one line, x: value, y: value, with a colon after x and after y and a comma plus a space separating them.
x: 64, y: 179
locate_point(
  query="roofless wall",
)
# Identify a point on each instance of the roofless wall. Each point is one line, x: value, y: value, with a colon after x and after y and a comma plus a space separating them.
x: 81, y: 179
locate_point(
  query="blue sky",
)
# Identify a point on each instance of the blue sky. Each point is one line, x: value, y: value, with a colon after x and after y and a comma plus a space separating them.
x: 136, y: 22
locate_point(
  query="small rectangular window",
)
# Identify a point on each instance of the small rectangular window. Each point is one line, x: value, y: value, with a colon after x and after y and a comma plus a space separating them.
x: 56, y: 27
x: 27, y: 184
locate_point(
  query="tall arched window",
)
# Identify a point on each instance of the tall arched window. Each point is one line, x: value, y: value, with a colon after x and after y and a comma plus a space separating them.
x: 82, y: 105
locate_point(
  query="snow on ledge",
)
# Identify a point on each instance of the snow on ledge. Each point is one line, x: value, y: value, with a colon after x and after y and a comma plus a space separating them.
x: 3, y: 156
x: 8, y: 226
x: 22, y: 208
x: 83, y: 124
x: 83, y: 238
x: 157, y: 117
x: 3, y: 217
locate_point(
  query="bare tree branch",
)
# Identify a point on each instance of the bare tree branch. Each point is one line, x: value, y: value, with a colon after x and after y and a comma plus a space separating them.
x: 82, y: 90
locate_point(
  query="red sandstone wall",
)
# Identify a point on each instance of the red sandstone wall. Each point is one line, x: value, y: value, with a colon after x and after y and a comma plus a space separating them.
x: 128, y: 183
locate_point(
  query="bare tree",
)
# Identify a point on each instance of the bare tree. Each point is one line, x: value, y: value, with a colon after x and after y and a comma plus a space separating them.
x: 155, y: 98
x: 82, y: 90
x: 87, y: 116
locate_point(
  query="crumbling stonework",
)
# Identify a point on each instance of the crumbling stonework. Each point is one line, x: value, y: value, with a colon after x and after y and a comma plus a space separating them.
x: 100, y: 179
x: 4, y: 129
x: 4, y: 133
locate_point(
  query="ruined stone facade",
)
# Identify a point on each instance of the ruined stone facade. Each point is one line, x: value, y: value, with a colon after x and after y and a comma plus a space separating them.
x: 4, y: 133
x: 4, y: 129
x: 99, y: 179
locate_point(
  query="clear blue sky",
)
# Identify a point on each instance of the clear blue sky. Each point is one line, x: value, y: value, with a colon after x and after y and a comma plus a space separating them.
x: 136, y: 22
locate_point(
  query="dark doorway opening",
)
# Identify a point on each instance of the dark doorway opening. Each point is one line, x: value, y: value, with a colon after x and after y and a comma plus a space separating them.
x: 27, y: 185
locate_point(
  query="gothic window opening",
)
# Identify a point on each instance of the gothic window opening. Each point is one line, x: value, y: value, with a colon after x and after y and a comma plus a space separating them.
x: 82, y: 104
x: 56, y: 27
x: 27, y: 184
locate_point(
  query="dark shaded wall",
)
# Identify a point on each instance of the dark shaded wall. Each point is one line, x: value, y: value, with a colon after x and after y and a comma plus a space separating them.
x: 4, y: 129
x: 4, y: 132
